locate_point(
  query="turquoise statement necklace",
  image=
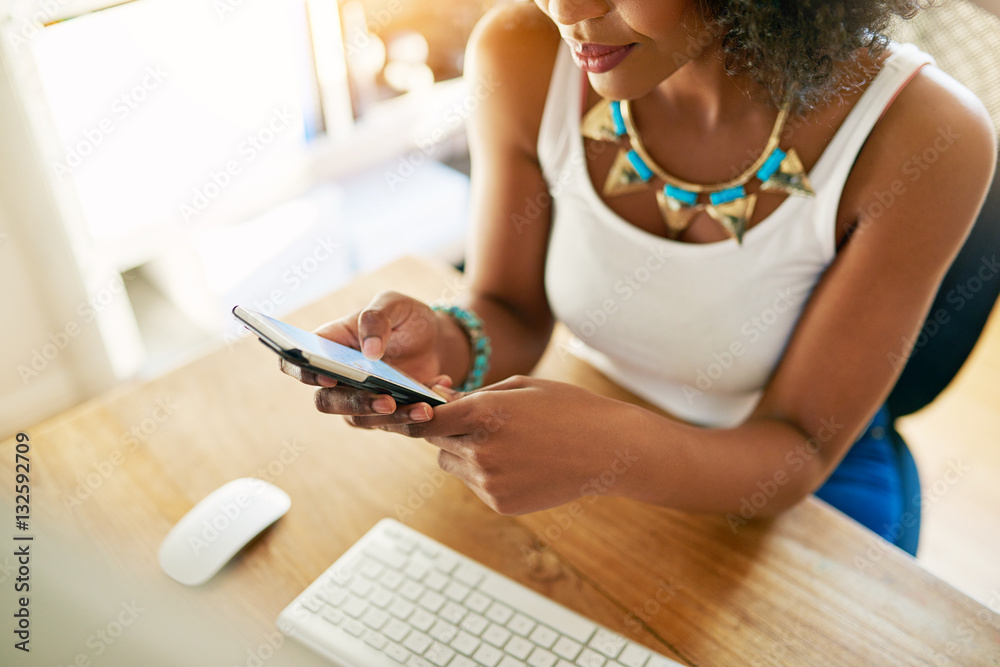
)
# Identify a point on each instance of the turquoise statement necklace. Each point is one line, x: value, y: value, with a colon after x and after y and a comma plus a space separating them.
x: 728, y: 203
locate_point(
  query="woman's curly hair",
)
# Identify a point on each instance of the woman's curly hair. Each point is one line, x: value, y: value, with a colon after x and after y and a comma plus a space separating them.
x: 792, y: 47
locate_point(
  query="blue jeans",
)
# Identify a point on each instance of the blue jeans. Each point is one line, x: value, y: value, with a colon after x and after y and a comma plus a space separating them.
x: 869, y: 484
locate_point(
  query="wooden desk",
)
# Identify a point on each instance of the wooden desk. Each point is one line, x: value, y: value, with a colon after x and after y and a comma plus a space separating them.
x: 809, y: 587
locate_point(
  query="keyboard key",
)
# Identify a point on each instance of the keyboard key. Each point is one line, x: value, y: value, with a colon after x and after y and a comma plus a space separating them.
x: 375, y: 618
x: 443, y: 631
x: 411, y: 590
x: 435, y: 581
x: 375, y: 640
x: 354, y: 607
x: 566, y: 648
x: 421, y: 620
x: 475, y: 624
x: 452, y: 612
x: 353, y: 627
x: 401, y: 608
x: 512, y: 662
x: 660, y: 661
x: 519, y: 647
x: 396, y: 630
x: 397, y: 653
x: 334, y: 616
x: 487, y: 655
x: 607, y: 643
x: 468, y: 575
x: 415, y: 570
x: 634, y: 656
x: 380, y: 597
x: 464, y: 643
x: 543, y: 636
x: 391, y: 580
x: 439, y: 654
x: 431, y: 601
x: 371, y: 569
x: 499, y: 613
x: 541, y: 658
x: 477, y: 602
x: 456, y: 591
x: 590, y: 659
x: 521, y: 625
x: 446, y: 562
x: 417, y: 661
x: 461, y: 661
x: 496, y: 635
x: 334, y: 595
x: 360, y: 587
x: 417, y: 642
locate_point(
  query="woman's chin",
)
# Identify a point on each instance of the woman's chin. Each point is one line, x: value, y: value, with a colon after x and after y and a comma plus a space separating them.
x: 615, y: 86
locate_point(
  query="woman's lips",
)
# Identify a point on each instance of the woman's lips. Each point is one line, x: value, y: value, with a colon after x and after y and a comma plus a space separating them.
x: 598, y: 58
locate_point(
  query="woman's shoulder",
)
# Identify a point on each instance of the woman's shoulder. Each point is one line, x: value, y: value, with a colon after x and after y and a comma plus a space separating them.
x: 511, y: 53
x: 932, y: 119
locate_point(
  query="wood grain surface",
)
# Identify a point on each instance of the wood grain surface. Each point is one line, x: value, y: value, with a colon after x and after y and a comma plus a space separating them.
x: 810, y: 587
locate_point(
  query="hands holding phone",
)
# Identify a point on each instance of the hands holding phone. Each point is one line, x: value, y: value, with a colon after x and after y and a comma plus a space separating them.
x: 399, y: 330
x: 522, y: 444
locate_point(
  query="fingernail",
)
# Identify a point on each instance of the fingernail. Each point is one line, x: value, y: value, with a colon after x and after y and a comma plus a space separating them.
x: 444, y: 391
x: 371, y: 347
x: 325, y: 381
x: 420, y: 413
x: 383, y: 405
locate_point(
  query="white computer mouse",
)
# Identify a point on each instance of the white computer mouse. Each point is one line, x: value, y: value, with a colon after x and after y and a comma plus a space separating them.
x: 215, y: 529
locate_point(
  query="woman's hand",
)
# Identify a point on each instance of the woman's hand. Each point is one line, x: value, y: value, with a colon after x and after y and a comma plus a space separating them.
x: 526, y: 444
x: 403, y: 332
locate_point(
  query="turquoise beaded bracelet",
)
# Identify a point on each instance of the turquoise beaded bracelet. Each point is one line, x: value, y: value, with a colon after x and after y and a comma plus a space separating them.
x: 479, y: 345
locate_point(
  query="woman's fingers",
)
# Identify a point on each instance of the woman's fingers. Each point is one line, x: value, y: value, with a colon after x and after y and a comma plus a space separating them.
x: 342, y: 400
x: 304, y: 376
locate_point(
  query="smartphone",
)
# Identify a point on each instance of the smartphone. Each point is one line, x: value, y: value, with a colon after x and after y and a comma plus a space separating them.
x: 344, y: 364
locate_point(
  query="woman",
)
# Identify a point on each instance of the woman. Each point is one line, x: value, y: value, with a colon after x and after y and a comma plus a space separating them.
x: 753, y: 223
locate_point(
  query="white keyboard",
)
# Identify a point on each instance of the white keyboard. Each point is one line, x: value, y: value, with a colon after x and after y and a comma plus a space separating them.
x: 397, y: 597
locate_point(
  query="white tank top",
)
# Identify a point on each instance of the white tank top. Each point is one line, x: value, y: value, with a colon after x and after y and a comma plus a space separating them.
x: 696, y: 329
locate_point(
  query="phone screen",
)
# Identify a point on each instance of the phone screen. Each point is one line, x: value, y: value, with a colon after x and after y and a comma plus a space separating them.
x: 319, y: 346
